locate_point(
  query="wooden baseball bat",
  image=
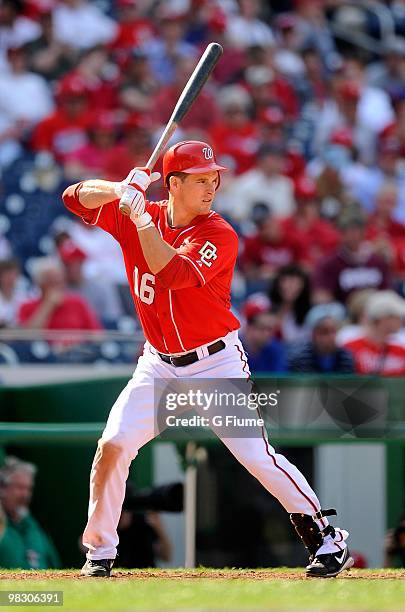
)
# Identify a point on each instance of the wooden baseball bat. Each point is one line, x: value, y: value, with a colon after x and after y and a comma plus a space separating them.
x: 193, y: 87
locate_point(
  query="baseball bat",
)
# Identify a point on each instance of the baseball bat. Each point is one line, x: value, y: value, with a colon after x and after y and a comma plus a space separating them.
x: 193, y: 87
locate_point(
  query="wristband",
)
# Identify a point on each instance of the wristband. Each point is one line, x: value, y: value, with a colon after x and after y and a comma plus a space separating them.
x: 144, y: 227
x: 143, y: 221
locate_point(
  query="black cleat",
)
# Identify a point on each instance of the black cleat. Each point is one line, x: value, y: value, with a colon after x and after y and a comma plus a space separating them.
x: 97, y: 568
x: 330, y: 564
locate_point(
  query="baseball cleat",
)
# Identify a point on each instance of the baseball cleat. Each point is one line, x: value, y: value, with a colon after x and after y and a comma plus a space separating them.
x: 330, y: 564
x: 97, y: 568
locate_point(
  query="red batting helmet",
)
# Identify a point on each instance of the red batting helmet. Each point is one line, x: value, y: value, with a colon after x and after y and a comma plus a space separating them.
x: 191, y: 157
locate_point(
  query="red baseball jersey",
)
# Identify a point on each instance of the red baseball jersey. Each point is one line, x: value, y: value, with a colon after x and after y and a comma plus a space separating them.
x: 370, y: 358
x: 187, y: 304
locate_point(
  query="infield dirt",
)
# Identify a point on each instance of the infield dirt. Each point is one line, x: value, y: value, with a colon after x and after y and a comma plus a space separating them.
x: 211, y: 574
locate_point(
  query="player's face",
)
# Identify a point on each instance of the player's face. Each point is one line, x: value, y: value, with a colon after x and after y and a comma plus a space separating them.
x: 195, y: 194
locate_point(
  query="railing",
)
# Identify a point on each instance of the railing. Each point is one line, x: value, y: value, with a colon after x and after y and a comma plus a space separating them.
x: 21, y: 346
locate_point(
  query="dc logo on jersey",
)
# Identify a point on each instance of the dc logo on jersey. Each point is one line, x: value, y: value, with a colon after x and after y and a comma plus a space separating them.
x: 208, y: 252
x: 208, y: 152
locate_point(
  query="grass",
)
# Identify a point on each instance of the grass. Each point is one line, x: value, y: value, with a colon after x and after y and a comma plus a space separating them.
x: 280, y: 589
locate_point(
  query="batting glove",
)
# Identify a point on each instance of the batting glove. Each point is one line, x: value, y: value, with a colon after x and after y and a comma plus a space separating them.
x: 135, y: 201
x: 139, y: 178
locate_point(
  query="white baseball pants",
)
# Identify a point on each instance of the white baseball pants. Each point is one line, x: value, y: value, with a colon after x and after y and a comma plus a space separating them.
x: 131, y: 424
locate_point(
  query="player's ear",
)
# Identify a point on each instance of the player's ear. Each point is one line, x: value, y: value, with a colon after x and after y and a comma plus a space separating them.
x: 173, y: 183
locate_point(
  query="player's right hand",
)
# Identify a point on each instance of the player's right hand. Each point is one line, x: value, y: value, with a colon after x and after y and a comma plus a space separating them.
x: 134, y: 200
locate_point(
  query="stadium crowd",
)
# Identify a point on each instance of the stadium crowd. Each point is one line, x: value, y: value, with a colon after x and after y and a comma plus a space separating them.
x: 312, y: 130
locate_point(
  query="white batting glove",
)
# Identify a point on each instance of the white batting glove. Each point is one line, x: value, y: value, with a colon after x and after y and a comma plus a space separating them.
x: 135, y: 200
x: 139, y: 178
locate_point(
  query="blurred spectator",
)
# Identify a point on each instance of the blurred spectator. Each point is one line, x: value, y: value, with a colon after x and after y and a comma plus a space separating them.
x: 332, y: 172
x: 133, y: 150
x: 394, y: 133
x: 353, y: 266
x: 55, y: 308
x: 386, y: 234
x: 247, y: 28
x: 265, y: 352
x: 267, y: 88
x: 364, y: 185
x: 272, y: 126
x: 134, y: 28
x: 64, y: 131
x: 356, y: 313
x: 322, y: 354
x: 389, y: 74
x: 138, y: 84
x: 320, y: 237
x: 269, y: 249
x: 13, y: 291
x: 97, y: 77
x: 312, y: 30
x: 23, y: 542
x: 81, y: 24
x: 91, y: 159
x: 286, y: 57
x: 104, y: 258
x: 46, y: 55
x: 169, y: 45
x: 236, y: 134
x: 100, y: 295
x: 375, y: 352
x: 264, y: 183
x: 312, y: 86
x: 291, y: 299
x: 365, y: 110
x: 25, y: 97
x: 15, y: 28
x: 204, y: 111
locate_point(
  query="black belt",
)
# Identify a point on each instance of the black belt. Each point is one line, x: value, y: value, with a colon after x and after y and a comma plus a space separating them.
x: 192, y: 357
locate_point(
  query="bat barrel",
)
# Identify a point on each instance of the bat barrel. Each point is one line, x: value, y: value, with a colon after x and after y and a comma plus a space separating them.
x: 193, y: 87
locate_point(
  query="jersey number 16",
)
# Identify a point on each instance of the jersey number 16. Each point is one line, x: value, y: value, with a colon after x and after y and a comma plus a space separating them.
x: 144, y: 289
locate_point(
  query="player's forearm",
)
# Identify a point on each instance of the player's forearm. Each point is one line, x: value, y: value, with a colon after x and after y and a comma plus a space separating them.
x: 156, y: 251
x: 96, y: 192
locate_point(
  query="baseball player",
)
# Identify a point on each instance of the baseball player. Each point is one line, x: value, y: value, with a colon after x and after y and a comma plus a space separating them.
x: 179, y: 256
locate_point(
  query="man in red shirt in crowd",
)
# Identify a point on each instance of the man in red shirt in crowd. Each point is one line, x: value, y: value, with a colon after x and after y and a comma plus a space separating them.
x: 65, y: 130
x: 377, y: 351
x: 236, y: 135
x: 271, y: 247
x: 387, y: 234
x: 56, y: 308
x: 318, y: 235
x: 179, y: 256
x: 204, y: 112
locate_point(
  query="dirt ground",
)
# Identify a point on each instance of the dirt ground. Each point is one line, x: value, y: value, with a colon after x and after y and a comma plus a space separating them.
x: 210, y: 574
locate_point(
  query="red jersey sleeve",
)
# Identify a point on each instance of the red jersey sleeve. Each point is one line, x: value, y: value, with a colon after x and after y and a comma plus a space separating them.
x: 205, y: 255
x: 108, y: 216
